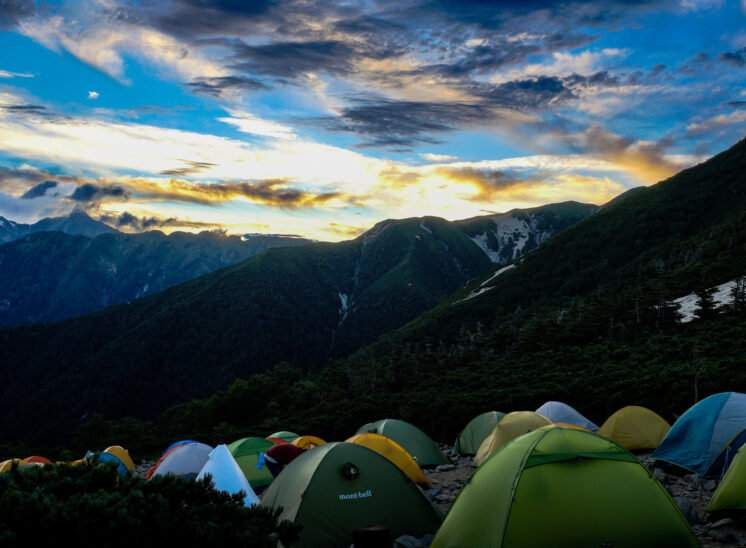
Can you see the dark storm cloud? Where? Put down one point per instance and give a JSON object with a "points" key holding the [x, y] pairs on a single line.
{"points": [[737, 58], [39, 190], [89, 192], [291, 59], [390, 123], [218, 85], [12, 11]]}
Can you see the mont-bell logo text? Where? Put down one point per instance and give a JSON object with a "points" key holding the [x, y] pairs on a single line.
{"points": [[358, 495]]}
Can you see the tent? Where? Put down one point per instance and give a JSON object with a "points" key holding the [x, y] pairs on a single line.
{"points": [[730, 493], [226, 475], [705, 438], [285, 436], [561, 412], [37, 459], [634, 428], [392, 451], [339, 487], [473, 434], [185, 460], [308, 442], [418, 444], [564, 488], [102, 457], [7, 465], [122, 454], [513, 425], [246, 452]]}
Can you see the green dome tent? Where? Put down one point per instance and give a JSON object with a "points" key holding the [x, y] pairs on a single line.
{"points": [[564, 488], [473, 434], [418, 444], [284, 435], [246, 453], [730, 494], [339, 487]]}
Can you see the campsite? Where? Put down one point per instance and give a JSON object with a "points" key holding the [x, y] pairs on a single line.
{"points": [[370, 490]]}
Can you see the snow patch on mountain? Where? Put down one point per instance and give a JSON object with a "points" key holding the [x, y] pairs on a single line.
{"points": [[474, 294], [343, 303], [497, 273], [688, 304], [481, 241]]}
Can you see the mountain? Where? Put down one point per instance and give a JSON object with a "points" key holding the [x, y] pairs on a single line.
{"points": [[589, 318], [77, 223], [48, 276], [304, 305]]}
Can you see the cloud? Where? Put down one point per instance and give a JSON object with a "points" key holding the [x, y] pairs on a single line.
{"points": [[191, 168], [127, 220], [736, 58], [489, 183], [39, 190], [93, 95], [718, 122], [89, 192], [248, 123], [219, 86], [273, 192], [8, 74], [13, 11], [438, 157]]}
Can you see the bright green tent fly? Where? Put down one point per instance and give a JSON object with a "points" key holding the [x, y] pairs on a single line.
{"points": [[418, 444], [339, 487], [730, 494], [564, 488], [246, 454], [472, 436]]}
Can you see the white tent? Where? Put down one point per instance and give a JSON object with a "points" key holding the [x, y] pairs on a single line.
{"points": [[227, 475], [561, 412], [184, 460]]}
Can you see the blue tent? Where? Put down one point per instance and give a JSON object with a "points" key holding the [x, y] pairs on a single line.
{"points": [[707, 436], [105, 458]]}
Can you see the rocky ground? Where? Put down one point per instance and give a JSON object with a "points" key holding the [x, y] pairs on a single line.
{"points": [[691, 492]]}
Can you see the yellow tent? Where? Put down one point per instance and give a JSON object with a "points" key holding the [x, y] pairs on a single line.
{"points": [[392, 451], [634, 427], [510, 427], [6, 465], [308, 442], [122, 454]]}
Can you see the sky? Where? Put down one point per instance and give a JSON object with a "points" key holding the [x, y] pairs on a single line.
{"points": [[322, 118]]}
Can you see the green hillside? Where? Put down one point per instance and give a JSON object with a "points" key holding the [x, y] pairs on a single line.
{"points": [[304, 305], [586, 318]]}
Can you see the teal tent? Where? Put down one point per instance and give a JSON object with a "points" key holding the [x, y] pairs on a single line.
{"points": [[339, 487], [418, 444], [473, 434], [706, 437], [563, 487]]}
